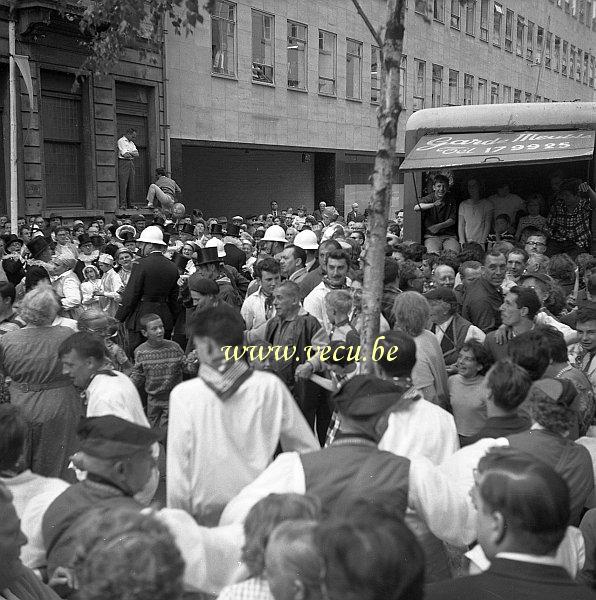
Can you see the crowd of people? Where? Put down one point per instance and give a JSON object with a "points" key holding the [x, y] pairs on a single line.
{"points": [[184, 407]]}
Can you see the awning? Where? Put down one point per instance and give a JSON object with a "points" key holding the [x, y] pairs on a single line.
{"points": [[460, 150]]}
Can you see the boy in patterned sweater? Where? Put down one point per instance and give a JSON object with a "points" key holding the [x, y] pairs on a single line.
{"points": [[159, 366]]}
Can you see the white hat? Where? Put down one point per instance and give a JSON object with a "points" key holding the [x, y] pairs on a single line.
{"points": [[307, 240], [152, 235], [216, 243], [275, 233], [106, 259]]}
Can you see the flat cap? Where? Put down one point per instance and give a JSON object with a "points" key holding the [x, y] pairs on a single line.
{"points": [[366, 396], [196, 283], [112, 437], [441, 293]]}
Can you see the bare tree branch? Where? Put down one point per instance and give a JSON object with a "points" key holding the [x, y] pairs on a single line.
{"points": [[370, 26]]}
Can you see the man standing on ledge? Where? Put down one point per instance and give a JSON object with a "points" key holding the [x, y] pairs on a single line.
{"points": [[127, 152]]}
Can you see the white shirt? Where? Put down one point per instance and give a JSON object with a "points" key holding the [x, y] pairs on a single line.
{"points": [[116, 396], [124, 146], [423, 429], [32, 494], [216, 447], [474, 333], [253, 310], [475, 219]]}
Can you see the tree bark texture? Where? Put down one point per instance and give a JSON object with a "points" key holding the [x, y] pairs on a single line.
{"points": [[392, 33]]}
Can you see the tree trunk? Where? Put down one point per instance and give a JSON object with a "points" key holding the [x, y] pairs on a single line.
{"points": [[385, 161]]}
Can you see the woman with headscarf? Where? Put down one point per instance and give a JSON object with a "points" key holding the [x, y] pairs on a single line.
{"points": [[48, 401]]}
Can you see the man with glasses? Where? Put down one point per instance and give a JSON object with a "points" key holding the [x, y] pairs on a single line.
{"points": [[536, 243]]}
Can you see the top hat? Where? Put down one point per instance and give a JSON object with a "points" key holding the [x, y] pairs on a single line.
{"points": [[11, 238], [187, 228], [206, 256], [159, 220], [84, 239], [216, 229], [37, 245], [233, 230]]}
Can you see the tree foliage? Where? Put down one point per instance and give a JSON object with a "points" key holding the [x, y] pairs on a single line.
{"points": [[111, 26]]}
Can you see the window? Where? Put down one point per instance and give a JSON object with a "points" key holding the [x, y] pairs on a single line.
{"points": [[403, 80], [519, 43], [494, 92], [589, 9], [509, 31], [223, 38], [530, 42], [517, 96], [437, 86], [539, 44], [506, 94], [468, 89], [375, 74], [439, 10], [582, 11], [548, 40], [586, 68], [420, 6], [455, 13], [528, 97], [574, 8], [571, 61], [578, 65], [481, 91], [353, 69], [263, 34], [592, 71], [420, 84], [62, 117], [564, 59], [567, 6], [557, 54], [327, 62], [453, 87], [297, 54], [497, 23], [470, 17], [484, 20]]}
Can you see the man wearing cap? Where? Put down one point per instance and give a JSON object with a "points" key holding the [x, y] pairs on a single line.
{"points": [[451, 329], [152, 288], [41, 253], [117, 456], [307, 240], [139, 222], [315, 275], [353, 214]]}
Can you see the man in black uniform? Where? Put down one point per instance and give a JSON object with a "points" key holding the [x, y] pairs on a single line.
{"points": [[152, 288]]}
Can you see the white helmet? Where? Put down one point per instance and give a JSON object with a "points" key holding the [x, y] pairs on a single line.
{"points": [[216, 243], [307, 240], [152, 235], [275, 233]]}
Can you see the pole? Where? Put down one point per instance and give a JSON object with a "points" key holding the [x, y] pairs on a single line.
{"points": [[14, 182]]}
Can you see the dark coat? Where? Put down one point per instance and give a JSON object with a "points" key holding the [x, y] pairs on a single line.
{"points": [[481, 305], [512, 580], [234, 257], [152, 288]]}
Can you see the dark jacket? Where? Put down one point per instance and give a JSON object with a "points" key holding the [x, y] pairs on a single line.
{"points": [[512, 580], [152, 288], [496, 427], [481, 305], [234, 256]]}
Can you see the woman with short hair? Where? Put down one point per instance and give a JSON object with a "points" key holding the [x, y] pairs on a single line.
{"points": [[49, 403]]}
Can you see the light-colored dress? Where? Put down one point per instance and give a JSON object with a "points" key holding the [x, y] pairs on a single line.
{"points": [[50, 404]]}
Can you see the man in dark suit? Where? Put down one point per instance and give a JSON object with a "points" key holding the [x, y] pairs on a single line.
{"points": [[522, 515], [353, 214], [152, 288]]}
